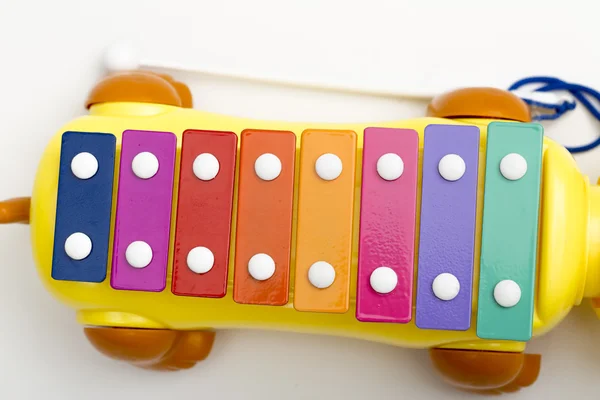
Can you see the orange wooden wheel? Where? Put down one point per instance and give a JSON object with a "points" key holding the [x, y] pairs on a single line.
{"points": [[157, 349], [479, 103], [140, 86], [486, 372]]}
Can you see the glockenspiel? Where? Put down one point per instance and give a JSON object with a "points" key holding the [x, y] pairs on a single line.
{"points": [[466, 232]]}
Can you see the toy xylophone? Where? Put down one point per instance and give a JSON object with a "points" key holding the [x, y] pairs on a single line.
{"points": [[446, 232]]}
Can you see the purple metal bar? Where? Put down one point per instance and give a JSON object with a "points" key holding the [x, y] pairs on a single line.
{"points": [[447, 233], [144, 211]]}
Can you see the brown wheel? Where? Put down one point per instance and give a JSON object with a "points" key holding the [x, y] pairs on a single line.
{"points": [[486, 372], [479, 103], [156, 349], [182, 90], [142, 87]]}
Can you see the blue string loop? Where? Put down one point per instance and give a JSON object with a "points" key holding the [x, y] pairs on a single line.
{"points": [[579, 92]]}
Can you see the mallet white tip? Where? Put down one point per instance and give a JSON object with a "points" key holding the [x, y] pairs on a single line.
{"points": [[122, 56]]}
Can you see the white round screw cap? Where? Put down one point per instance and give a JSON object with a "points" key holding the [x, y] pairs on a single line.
{"points": [[328, 166], [513, 166], [200, 260], [267, 166], [452, 167], [507, 293], [321, 274], [206, 167], [138, 254], [390, 166], [383, 280], [145, 165], [84, 165], [445, 286], [261, 266], [78, 246]]}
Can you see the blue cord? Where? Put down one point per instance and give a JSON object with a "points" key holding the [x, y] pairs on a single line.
{"points": [[577, 91]]}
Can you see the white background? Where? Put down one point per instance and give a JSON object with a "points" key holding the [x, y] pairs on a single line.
{"points": [[50, 56]]}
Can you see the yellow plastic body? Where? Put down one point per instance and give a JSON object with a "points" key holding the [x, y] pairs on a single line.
{"points": [[568, 269]]}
